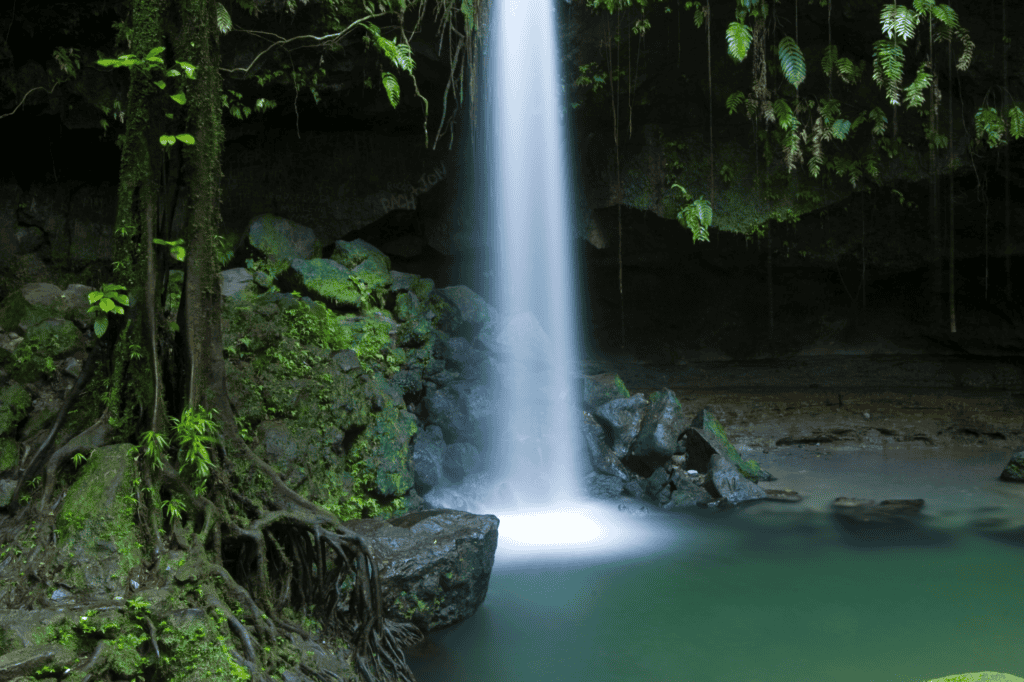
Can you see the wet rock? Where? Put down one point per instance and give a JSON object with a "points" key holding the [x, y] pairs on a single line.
{"points": [[603, 486], [1014, 470], [434, 565], [662, 425], [461, 409], [624, 417], [688, 494], [599, 389], [601, 456], [428, 455], [462, 311], [7, 488], [279, 238], [783, 495], [461, 459], [871, 511], [705, 434], [521, 339], [730, 483], [26, 661], [234, 282]]}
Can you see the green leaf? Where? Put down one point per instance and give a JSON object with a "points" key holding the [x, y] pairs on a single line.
{"points": [[99, 327], [189, 69], [166, 140], [223, 19], [160, 84], [155, 52], [916, 90], [734, 101], [108, 62], [898, 21], [186, 138], [172, 72], [792, 61], [391, 87], [1016, 116], [738, 36], [106, 305], [783, 114], [840, 129], [179, 98]]}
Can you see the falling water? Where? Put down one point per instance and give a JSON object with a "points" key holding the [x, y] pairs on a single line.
{"points": [[536, 435]]}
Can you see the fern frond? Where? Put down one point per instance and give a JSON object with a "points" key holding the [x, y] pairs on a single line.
{"points": [[829, 109], [968, 53], [923, 7], [793, 153], [848, 71], [738, 36], [783, 114], [915, 91], [946, 15], [988, 126], [223, 19], [391, 87], [1016, 116], [880, 121], [841, 128], [888, 72], [898, 21], [829, 59], [733, 101], [792, 61]]}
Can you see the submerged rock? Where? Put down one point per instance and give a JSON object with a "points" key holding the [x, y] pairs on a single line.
{"points": [[434, 565], [869, 510], [1014, 470]]}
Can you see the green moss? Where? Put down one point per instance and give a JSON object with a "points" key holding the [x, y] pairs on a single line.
{"points": [[197, 651], [14, 404], [100, 506]]}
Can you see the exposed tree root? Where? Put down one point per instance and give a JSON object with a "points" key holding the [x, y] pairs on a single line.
{"points": [[292, 555]]}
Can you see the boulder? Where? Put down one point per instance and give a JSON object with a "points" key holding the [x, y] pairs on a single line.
{"points": [[688, 494], [871, 511], [279, 238], [730, 483], [624, 417], [428, 457], [603, 486], [434, 565], [599, 389], [709, 433], [661, 427], [462, 311], [602, 457], [463, 410], [1014, 470]]}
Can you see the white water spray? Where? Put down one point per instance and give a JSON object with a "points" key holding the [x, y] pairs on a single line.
{"points": [[536, 435]]}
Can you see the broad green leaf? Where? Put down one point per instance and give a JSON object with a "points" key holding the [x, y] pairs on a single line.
{"points": [[189, 69], [166, 140], [106, 305], [99, 327], [160, 84], [156, 51], [186, 138], [179, 98]]}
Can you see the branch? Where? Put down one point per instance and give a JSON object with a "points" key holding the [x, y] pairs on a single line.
{"points": [[38, 87], [284, 41]]}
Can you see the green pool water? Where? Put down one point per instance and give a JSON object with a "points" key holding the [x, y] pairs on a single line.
{"points": [[765, 593]]}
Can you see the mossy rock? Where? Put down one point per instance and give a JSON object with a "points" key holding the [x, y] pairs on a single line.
{"points": [[599, 389], [748, 467], [357, 252], [99, 545], [326, 280], [280, 238], [14, 404], [8, 455], [979, 677]]}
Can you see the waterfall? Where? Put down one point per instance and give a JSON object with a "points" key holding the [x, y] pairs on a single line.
{"points": [[536, 433]]}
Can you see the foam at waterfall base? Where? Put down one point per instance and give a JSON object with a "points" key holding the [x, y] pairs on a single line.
{"points": [[568, 530]]}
